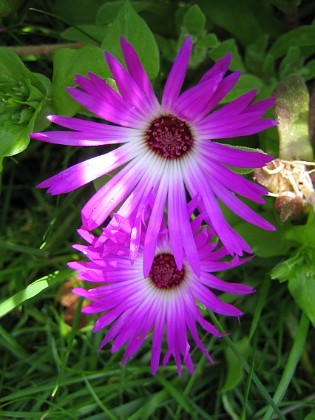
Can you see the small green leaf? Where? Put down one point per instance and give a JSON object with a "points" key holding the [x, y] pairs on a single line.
{"points": [[291, 62], [285, 269], [194, 19], [235, 371], [69, 62], [307, 72], [291, 112], [255, 54], [130, 25]]}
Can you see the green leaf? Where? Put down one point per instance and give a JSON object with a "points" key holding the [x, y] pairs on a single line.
{"points": [[235, 371], [307, 72], [285, 269], [291, 112], [265, 244], [291, 62], [255, 54], [23, 98], [130, 25], [300, 37], [303, 234], [32, 290], [67, 63], [299, 271], [194, 20], [302, 287], [108, 12], [11, 67]]}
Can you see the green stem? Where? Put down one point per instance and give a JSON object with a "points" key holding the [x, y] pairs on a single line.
{"points": [[294, 357]]}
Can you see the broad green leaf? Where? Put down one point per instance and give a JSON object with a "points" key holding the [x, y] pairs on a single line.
{"points": [[302, 288], [11, 67], [300, 37], [303, 234], [108, 12], [310, 416], [69, 62], [291, 112], [235, 371], [130, 25], [265, 244]]}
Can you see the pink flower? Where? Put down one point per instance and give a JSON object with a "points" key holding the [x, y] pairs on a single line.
{"points": [[164, 303], [165, 152]]}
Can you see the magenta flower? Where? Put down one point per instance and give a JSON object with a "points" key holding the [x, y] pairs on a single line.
{"points": [[164, 301], [166, 152]]}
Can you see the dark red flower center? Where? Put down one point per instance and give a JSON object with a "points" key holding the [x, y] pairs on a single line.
{"points": [[164, 273], [169, 137]]}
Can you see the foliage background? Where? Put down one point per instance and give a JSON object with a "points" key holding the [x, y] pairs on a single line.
{"points": [[49, 364]]}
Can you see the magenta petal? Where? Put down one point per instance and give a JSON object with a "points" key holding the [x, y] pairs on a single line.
{"points": [[241, 209], [154, 228], [85, 172], [221, 66], [137, 71], [128, 88], [236, 157], [106, 199], [117, 112], [177, 74]]}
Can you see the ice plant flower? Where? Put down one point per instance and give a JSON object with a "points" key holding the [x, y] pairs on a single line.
{"points": [[166, 152], [165, 301]]}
